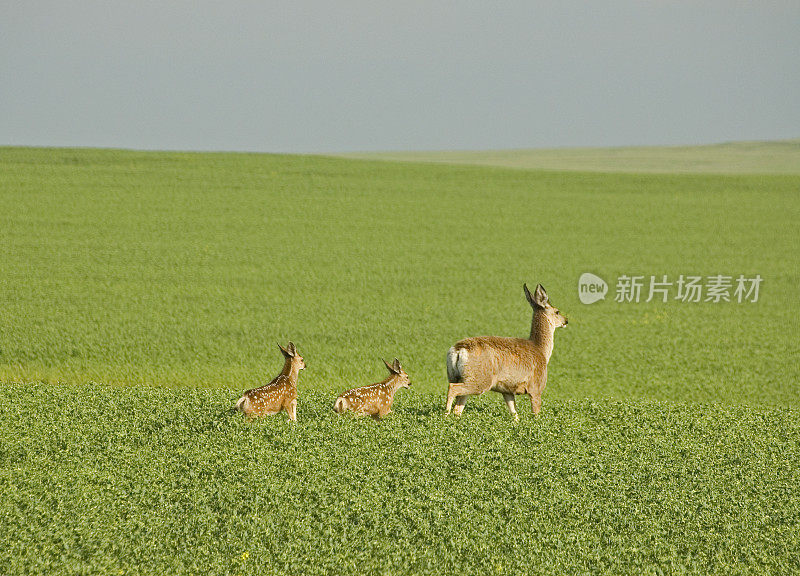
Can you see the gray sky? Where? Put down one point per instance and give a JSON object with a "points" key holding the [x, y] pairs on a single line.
{"points": [[313, 76]]}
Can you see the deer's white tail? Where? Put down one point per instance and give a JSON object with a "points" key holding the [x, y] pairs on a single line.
{"points": [[340, 405], [456, 360], [241, 405]]}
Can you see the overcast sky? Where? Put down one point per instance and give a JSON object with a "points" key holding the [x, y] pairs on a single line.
{"points": [[313, 76]]}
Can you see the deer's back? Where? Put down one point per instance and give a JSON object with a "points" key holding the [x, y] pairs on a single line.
{"points": [[271, 397], [368, 399]]}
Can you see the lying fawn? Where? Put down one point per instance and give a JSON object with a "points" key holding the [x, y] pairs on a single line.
{"points": [[280, 394], [375, 399], [507, 365]]}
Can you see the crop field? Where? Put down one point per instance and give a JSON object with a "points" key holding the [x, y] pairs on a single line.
{"points": [[142, 292]]}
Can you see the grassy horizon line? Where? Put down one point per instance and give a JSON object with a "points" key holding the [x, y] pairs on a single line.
{"points": [[737, 156]]}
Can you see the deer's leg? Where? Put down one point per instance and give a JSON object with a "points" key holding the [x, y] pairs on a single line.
{"points": [[460, 403], [535, 388], [455, 390], [536, 402], [512, 405], [460, 391], [292, 410]]}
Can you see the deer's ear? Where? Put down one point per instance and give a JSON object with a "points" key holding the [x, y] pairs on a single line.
{"points": [[528, 295], [540, 296], [396, 366], [292, 349], [390, 367], [284, 351]]}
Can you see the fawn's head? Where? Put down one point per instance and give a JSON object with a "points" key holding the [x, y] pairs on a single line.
{"points": [[541, 305], [290, 353], [397, 370]]}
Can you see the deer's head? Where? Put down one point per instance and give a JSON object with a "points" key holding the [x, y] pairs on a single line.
{"points": [[290, 353], [402, 381], [541, 305]]}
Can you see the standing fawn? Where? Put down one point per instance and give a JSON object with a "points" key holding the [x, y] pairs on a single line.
{"points": [[507, 365], [280, 394], [375, 399]]}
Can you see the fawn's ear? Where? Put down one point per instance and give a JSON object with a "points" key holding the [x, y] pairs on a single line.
{"points": [[285, 351], [391, 368], [397, 366], [292, 349]]}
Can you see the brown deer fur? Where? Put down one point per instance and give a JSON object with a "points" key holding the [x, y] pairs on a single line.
{"points": [[280, 394], [375, 399], [509, 366]]}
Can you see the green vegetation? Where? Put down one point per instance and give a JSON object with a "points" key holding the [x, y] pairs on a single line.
{"points": [[102, 480], [780, 157], [140, 293]]}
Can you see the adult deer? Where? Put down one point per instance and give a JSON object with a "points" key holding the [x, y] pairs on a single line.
{"points": [[509, 366]]}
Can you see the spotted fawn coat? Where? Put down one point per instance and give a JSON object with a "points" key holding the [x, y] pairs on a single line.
{"points": [[509, 366], [375, 399], [280, 394]]}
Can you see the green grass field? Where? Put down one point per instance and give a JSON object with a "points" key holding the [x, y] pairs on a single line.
{"points": [[141, 293]]}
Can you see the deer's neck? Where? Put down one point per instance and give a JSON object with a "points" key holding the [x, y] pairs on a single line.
{"points": [[391, 383], [290, 370], [542, 334]]}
